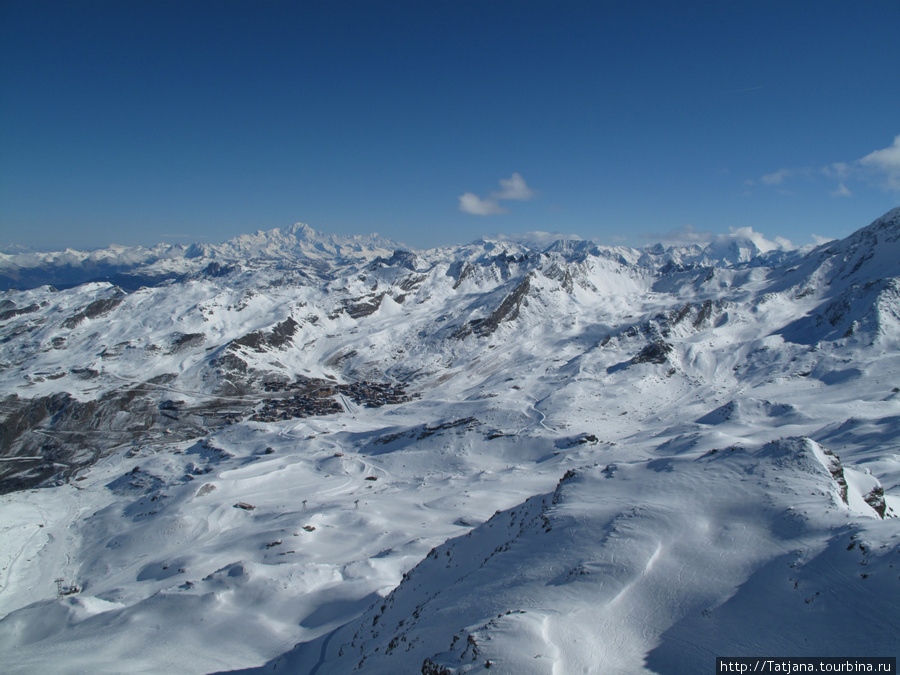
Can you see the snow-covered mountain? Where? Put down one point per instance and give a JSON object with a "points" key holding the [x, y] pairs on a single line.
{"points": [[133, 267], [329, 455]]}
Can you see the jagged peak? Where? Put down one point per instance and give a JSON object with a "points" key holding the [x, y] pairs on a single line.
{"points": [[872, 252], [579, 247], [297, 241], [537, 240], [302, 231], [889, 221]]}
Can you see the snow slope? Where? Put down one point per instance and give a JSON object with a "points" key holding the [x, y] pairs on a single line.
{"points": [[665, 562]]}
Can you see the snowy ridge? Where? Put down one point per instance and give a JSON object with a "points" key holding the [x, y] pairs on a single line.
{"points": [[617, 556], [369, 459], [297, 243]]}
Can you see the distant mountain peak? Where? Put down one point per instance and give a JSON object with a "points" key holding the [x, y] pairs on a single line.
{"points": [[297, 242], [302, 231], [300, 242]]}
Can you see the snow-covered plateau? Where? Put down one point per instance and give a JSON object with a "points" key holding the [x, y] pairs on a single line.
{"points": [[298, 453]]}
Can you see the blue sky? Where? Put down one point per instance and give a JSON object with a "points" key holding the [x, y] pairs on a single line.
{"points": [[437, 122]]}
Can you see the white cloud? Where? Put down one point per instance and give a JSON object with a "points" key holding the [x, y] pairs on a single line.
{"points": [[839, 170], [841, 191], [778, 177], [758, 238], [888, 159], [688, 234], [881, 166], [472, 203], [887, 163], [513, 188]]}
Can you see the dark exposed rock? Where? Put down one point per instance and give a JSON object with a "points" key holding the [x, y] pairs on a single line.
{"points": [[461, 271], [184, 341], [276, 338], [217, 270], [96, 309], [405, 259], [875, 499], [361, 307], [412, 282], [429, 667], [563, 275], [17, 311], [429, 430], [21, 329], [656, 352], [281, 334], [836, 469], [507, 311], [580, 439]]}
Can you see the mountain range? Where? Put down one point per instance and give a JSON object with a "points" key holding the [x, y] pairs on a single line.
{"points": [[321, 454]]}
